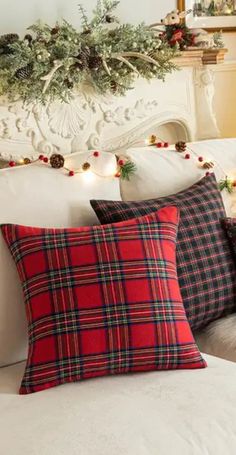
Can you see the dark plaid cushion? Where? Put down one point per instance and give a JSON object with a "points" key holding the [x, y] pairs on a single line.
{"points": [[102, 300], [229, 224], [207, 274]]}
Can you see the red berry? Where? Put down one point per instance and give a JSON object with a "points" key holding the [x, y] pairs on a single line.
{"points": [[12, 163], [96, 154], [200, 159], [187, 156], [45, 159], [71, 173], [234, 183], [159, 145], [41, 157], [121, 163], [117, 175], [166, 144]]}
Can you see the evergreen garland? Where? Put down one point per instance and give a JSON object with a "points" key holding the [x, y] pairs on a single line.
{"points": [[53, 62]]}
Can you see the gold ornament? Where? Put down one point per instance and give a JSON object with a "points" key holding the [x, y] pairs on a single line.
{"points": [[208, 165], [86, 166], [26, 161], [152, 139]]}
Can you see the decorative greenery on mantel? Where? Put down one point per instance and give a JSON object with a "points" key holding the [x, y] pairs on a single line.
{"points": [[51, 63]]}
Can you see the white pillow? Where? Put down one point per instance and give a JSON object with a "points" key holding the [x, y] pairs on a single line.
{"points": [[38, 195], [161, 172]]}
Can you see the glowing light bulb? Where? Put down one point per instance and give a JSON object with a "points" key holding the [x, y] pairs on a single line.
{"points": [[88, 176]]}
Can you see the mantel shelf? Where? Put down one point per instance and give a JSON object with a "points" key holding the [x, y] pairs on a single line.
{"points": [[198, 57]]}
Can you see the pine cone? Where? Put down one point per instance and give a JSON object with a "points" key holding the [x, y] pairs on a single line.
{"points": [[86, 32], [28, 38], [180, 146], [25, 72], [109, 19], [68, 83], [83, 58], [85, 52], [57, 161], [6, 40], [114, 86], [94, 63], [55, 30]]}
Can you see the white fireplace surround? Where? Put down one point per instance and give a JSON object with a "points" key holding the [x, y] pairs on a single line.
{"points": [[179, 109]]}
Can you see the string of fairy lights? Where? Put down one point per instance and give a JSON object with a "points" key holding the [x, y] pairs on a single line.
{"points": [[125, 167]]}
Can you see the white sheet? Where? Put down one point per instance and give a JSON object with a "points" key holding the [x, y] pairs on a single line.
{"points": [[160, 413]]}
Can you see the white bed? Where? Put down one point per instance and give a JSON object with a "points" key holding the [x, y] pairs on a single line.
{"points": [[160, 413]]}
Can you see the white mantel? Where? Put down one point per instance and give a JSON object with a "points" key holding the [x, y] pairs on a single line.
{"points": [[181, 108]]}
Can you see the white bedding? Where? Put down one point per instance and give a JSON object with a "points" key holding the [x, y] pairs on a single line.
{"points": [[160, 413]]}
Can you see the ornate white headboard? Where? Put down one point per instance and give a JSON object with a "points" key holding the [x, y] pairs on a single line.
{"points": [[178, 109]]}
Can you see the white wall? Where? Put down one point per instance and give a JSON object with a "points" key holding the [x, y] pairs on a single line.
{"points": [[17, 15]]}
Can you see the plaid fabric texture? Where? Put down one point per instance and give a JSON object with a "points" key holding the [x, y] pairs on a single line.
{"points": [[207, 274], [229, 224], [102, 300]]}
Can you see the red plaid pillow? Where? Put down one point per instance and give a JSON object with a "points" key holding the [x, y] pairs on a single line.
{"points": [[102, 300]]}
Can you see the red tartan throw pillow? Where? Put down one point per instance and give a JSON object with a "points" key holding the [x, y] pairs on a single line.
{"points": [[206, 270], [102, 300]]}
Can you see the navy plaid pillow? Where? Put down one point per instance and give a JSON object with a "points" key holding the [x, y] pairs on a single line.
{"points": [[206, 271]]}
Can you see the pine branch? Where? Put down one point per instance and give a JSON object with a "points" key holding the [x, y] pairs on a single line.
{"points": [[226, 184], [84, 17], [104, 10], [127, 170]]}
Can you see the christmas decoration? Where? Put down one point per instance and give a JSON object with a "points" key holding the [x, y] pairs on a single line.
{"points": [[51, 62], [153, 139], [208, 165], [179, 35], [180, 146], [228, 184], [125, 167], [57, 161], [86, 166], [6, 41]]}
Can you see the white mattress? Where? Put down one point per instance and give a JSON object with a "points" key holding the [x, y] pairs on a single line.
{"points": [[160, 413]]}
